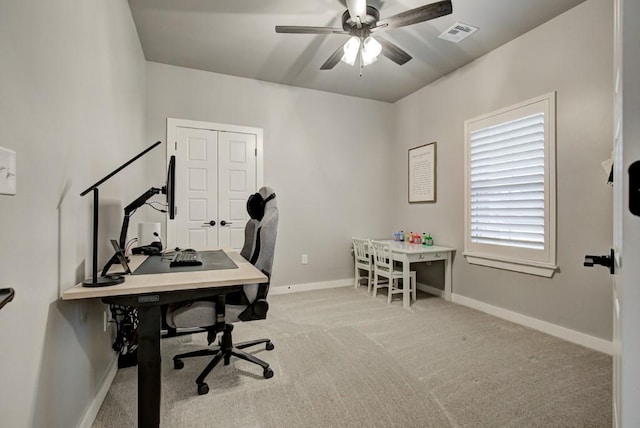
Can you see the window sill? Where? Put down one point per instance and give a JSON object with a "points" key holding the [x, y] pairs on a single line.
{"points": [[525, 266]]}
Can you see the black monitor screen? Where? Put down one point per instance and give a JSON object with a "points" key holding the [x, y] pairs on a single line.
{"points": [[170, 188]]}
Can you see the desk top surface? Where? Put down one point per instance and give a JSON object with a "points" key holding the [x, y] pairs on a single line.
{"points": [[174, 281], [405, 247]]}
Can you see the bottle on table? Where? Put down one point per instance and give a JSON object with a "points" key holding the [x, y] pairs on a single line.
{"points": [[428, 240]]}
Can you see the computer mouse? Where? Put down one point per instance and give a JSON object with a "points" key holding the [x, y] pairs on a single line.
{"points": [[188, 250]]}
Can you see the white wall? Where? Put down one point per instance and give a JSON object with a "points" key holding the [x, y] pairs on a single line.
{"points": [[326, 156], [572, 54], [72, 107]]}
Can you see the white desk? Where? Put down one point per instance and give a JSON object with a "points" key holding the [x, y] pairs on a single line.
{"points": [[406, 254], [148, 293]]}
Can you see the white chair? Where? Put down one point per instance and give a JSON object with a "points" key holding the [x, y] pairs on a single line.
{"points": [[384, 267], [362, 262]]}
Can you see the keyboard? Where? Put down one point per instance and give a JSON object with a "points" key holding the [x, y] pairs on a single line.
{"points": [[185, 258]]}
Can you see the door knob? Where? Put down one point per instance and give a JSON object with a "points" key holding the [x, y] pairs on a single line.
{"points": [[606, 260], [224, 223], [211, 223]]}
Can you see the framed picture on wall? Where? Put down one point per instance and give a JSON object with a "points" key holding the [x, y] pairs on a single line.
{"points": [[422, 173]]}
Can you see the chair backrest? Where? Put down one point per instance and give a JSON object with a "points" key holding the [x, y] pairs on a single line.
{"points": [[361, 250], [382, 256]]}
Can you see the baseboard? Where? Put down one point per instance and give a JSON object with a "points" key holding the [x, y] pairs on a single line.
{"points": [[431, 290], [569, 335], [96, 403], [294, 288]]}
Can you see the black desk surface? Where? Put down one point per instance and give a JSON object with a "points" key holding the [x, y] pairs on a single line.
{"points": [[211, 260]]}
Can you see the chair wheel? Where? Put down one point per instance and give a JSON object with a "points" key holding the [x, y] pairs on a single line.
{"points": [[178, 364], [268, 373], [270, 346], [203, 389]]}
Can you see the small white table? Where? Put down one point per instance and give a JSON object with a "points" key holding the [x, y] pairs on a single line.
{"points": [[406, 254]]}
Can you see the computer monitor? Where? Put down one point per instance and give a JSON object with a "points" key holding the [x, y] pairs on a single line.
{"points": [[170, 188]]}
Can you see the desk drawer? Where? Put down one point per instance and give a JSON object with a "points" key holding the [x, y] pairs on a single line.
{"points": [[425, 257]]}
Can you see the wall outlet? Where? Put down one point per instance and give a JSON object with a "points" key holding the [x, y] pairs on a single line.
{"points": [[7, 172], [305, 259]]}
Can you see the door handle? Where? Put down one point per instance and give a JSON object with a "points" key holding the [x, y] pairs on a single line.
{"points": [[224, 223], [211, 223], [606, 260]]}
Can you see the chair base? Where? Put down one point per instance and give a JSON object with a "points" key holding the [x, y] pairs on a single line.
{"points": [[224, 352]]}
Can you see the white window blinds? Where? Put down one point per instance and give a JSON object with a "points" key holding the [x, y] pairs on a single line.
{"points": [[507, 175]]}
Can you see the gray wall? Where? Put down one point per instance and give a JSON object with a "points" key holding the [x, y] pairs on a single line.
{"points": [[326, 155], [572, 55], [72, 107]]}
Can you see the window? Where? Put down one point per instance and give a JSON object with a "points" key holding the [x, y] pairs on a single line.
{"points": [[510, 188]]}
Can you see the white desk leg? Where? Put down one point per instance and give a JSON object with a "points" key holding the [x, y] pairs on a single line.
{"points": [[447, 278], [406, 294]]}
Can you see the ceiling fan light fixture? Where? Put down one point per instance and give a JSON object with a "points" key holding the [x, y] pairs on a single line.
{"points": [[371, 48], [351, 49]]}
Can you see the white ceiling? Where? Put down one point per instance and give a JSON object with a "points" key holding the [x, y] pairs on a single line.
{"points": [[237, 37]]}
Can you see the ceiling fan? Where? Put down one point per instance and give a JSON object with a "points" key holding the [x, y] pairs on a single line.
{"points": [[361, 21]]}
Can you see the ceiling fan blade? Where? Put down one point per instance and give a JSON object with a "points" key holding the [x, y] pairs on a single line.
{"points": [[333, 59], [393, 52], [419, 14], [357, 8], [308, 30]]}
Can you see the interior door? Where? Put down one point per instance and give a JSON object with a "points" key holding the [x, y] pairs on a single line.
{"points": [[626, 358], [237, 180], [197, 188], [618, 207], [216, 172]]}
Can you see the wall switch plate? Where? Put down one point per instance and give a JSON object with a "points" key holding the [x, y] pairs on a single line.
{"points": [[7, 172], [305, 259]]}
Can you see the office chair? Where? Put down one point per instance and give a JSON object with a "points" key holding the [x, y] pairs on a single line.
{"points": [[218, 314]]}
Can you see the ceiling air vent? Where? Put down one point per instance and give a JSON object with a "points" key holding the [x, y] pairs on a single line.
{"points": [[458, 32]]}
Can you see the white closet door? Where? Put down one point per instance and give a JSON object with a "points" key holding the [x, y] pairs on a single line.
{"points": [[197, 188], [237, 181]]}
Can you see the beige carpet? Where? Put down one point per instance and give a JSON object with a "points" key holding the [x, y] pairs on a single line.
{"points": [[344, 359]]}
